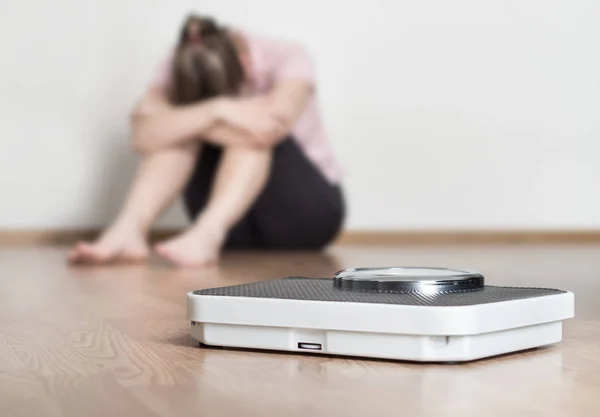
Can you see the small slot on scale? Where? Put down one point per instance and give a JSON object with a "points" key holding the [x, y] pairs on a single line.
{"points": [[310, 346]]}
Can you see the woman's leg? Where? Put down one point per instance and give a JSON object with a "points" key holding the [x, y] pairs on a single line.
{"points": [[158, 181], [277, 199], [299, 207], [241, 176]]}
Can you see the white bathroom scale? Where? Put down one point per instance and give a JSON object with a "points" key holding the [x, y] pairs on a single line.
{"points": [[399, 313]]}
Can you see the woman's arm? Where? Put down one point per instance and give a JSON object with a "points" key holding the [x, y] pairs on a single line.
{"points": [[261, 122], [152, 102], [223, 121], [166, 126], [287, 101]]}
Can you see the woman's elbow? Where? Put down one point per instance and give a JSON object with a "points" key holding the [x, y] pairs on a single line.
{"points": [[277, 136], [270, 141], [139, 142], [139, 148]]}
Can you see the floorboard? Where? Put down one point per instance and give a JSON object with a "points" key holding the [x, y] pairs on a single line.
{"points": [[114, 341]]}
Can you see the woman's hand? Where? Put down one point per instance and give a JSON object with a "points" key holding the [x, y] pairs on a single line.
{"points": [[255, 116]]}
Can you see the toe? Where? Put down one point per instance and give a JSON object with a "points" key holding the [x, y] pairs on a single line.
{"points": [[94, 253], [73, 256], [165, 251], [161, 249], [76, 254]]}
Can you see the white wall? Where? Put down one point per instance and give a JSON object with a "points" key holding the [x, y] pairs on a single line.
{"points": [[461, 114]]}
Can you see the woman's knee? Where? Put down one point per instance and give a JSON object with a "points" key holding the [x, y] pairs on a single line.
{"points": [[247, 157]]}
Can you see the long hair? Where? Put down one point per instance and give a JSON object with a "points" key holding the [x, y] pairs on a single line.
{"points": [[206, 62]]}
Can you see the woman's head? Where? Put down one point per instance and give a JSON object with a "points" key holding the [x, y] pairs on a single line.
{"points": [[206, 63]]}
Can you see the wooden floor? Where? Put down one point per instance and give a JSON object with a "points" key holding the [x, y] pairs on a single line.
{"points": [[115, 342]]}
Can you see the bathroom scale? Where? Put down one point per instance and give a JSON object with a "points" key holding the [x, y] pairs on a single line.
{"points": [[396, 313]]}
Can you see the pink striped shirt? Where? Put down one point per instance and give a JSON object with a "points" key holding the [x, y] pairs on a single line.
{"points": [[274, 60]]}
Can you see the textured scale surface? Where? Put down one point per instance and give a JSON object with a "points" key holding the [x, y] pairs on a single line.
{"points": [[321, 289]]}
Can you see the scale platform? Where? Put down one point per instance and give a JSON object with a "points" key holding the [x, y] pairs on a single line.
{"points": [[398, 313]]}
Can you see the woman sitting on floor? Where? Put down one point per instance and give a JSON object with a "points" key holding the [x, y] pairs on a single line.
{"points": [[231, 122]]}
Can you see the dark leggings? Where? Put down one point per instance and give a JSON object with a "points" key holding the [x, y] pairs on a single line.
{"points": [[297, 209]]}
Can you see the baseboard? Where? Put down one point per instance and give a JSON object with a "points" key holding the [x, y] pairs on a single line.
{"points": [[399, 237], [62, 237], [435, 237]]}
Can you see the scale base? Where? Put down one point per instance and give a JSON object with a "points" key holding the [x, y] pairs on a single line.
{"points": [[419, 348]]}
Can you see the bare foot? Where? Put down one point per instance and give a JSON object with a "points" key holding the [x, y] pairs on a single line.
{"points": [[117, 244], [200, 246]]}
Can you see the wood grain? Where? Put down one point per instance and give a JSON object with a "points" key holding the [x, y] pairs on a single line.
{"points": [[115, 341], [365, 237]]}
